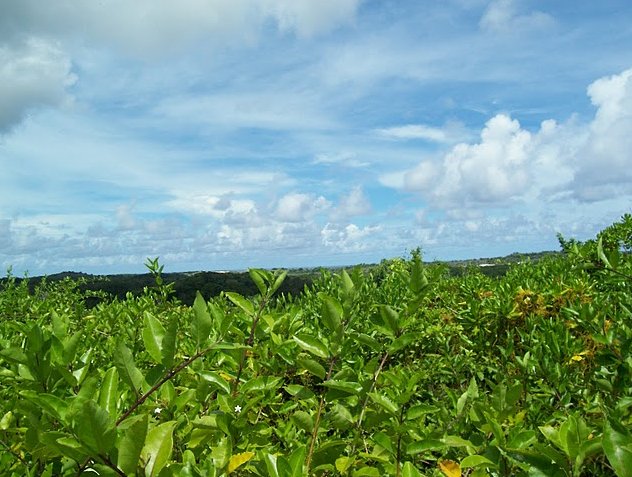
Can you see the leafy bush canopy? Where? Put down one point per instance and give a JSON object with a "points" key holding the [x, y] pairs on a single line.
{"points": [[400, 370]]}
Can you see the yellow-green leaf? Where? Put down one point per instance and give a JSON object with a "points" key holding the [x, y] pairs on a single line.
{"points": [[450, 468], [238, 460]]}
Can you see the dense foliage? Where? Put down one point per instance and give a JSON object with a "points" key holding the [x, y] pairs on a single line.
{"points": [[402, 370]]}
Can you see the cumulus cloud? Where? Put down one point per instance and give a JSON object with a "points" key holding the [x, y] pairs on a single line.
{"points": [[492, 170], [348, 238], [33, 74], [151, 27], [505, 16], [296, 207], [587, 161], [604, 160], [353, 204]]}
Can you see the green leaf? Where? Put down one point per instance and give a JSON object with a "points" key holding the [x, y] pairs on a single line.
{"points": [[602, 255], [312, 366], [384, 441], [403, 341], [278, 282], [241, 302], [477, 461], [169, 344], [348, 286], [303, 420], [108, 393], [127, 369], [299, 391], [217, 380], [460, 404], [261, 383], [260, 279], [131, 439], [271, 464], [419, 410], [64, 444], [297, 460], [538, 461], [158, 447], [345, 386], [425, 445], [344, 463], [6, 421], [552, 435], [418, 280], [572, 433], [71, 343], [385, 402], [390, 318], [367, 472], [53, 405], [14, 354], [332, 314], [617, 445], [202, 323], [93, 426], [312, 345], [368, 341], [409, 470], [153, 334]]}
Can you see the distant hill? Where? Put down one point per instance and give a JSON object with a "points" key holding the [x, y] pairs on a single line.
{"points": [[210, 284]]}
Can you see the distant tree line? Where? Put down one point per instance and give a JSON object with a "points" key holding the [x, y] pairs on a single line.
{"points": [[211, 284]]}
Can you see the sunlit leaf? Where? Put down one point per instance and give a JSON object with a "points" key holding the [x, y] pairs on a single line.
{"points": [[132, 435], [312, 345], [158, 447], [241, 302], [450, 468], [127, 369], [153, 334], [313, 367], [238, 460], [108, 393], [617, 445], [202, 323]]}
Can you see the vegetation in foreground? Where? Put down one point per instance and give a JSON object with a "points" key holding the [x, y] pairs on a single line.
{"points": [[402, 370]]}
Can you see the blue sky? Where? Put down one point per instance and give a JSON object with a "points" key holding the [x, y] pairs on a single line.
{"points": [[226, 134]]}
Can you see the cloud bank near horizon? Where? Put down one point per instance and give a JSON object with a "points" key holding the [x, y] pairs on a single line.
{"points": [[296, 133]]}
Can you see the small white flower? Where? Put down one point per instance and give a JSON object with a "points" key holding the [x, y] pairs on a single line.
{"points": [[157, 410], [238, 409]]}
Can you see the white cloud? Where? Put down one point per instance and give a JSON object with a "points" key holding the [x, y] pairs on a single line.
{"points": [[560, 161], [348, 238], [276, 110], [414, 131], [33, 74], [307, 18], [353, 204], [604, 162], [296, 207], [345, 159], [504, 16], [491, 171], [153, 27]]}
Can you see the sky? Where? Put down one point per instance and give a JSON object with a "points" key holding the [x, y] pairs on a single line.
{"points": [[227, 134]]}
